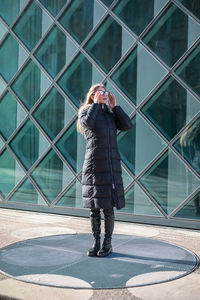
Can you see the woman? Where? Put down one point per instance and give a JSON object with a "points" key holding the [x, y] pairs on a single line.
{"points": [[102, 186]]}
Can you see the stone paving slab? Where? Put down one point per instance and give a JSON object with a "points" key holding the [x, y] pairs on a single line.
{"points": [[19, 226]]}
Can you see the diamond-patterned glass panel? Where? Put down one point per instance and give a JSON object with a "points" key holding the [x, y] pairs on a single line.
{"points": [[136, 156], [133, 14], [54, 113], [125, 105], [171, 108], [138, 203], [188, 145], [3, 30], [191, 210], [55, 51], [9, 9], [138, 74], [78, 78], [11, 51], [173, 33], [29, 144], [73, 197], [32, 25], [193, 6], [80, 17], [189, 70], [27, 193], [10, 107], [54, 6], [147, 54], [72, 147], [11, 173], [115, 39], [52, 175], [30, 84], [169, 181]]}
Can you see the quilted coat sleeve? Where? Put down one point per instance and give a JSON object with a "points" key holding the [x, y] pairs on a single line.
{"points": [[122, 119], [87, 117]]}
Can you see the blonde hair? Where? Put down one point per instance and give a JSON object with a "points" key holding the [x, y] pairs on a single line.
{"points": [[87, 103]]}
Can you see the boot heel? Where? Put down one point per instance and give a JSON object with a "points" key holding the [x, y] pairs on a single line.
{"points": [[94, 250]]}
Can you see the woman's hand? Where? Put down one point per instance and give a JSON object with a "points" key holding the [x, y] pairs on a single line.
{"points": [[112, 101], [98, 97]]}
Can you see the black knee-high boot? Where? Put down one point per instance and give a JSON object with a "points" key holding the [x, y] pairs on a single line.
{"points": [[109, 217], [95, 219]]}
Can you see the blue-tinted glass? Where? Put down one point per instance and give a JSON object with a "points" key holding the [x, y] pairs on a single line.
{"points": [[53, 6], [191, 210]]}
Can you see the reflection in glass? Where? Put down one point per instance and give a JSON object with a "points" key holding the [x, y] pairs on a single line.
{"points": [[111, 35], [138, 74], [11, 173], [9, 9], [189, 71], [54, 113], [32, 25], [52, 52], [172, 35], [189, 145], [78, 78], [169, 181], [138, 203], [10, 107], [139, 153], [73, 197], [26, 193], [13, 53], [52, 175], [30, 84], [54, 6], [193, 6], [72, 147], [125, 105], [171, 108], [29, 144], [190, 210], [134, 15], [3, 30], [78, 18]]}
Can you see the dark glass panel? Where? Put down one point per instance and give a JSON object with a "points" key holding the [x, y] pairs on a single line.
{"points": [[29, 144], [78, 18], [172, 35], [72, 146], [170, 108], [53, 6], [54, 113], [189, 145], [52, 176], [169, 181], [134, 15], [193, 6], [190, 210], [189, 70]]}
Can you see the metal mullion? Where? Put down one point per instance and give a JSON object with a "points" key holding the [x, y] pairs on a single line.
{"points": [[20, 13], [127, 170], [6, 33], [185, 202], [62, 158], [63, 192], [185, 10], [64, 130], [121, 92], [151, 163], [185, 55], [156, 204]]}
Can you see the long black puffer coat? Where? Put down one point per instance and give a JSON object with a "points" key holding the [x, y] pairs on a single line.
{"points": [[102, 185]]}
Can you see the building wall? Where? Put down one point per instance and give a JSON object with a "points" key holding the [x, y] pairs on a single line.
{"points": [[146, 52]]}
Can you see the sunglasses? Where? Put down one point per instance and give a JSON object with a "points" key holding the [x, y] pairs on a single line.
{"points": [[104, 93]]}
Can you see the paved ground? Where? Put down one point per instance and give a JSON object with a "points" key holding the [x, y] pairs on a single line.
{"points": [[18, 226]]}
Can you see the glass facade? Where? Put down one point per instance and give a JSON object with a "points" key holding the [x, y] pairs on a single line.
{"points": [[146, 52]]}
